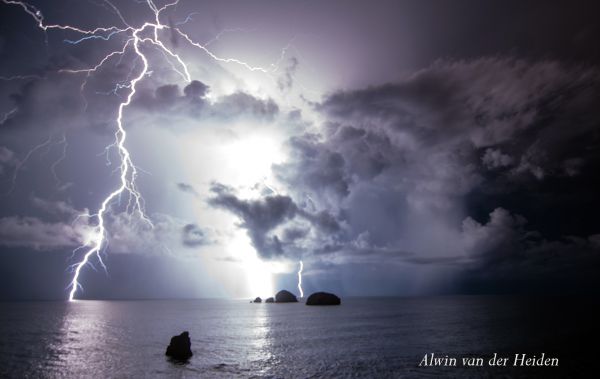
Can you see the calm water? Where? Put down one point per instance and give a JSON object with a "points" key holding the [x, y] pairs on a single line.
{"points": [[362, 338]]}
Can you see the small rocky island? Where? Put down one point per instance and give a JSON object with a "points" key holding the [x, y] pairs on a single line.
{"points": [[180, 347], [323, 298], [284, 296], [317, 298]]}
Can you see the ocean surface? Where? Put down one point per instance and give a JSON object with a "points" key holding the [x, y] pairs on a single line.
{"points": [[362, 338]]}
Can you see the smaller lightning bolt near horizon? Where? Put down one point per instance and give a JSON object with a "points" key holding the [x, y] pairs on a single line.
{"points": [[300, 279]]}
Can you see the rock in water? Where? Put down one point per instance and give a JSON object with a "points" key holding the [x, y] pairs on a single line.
{"points": [[270, 300], [180, 347], [323, 298], [284, 296], [257, 300]]}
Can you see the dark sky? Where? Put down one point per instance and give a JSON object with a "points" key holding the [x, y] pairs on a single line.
{"points": [[395, 147]]}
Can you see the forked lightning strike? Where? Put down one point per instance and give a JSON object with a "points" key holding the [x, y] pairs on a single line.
{"points": [[300, 279], [136, 38]]}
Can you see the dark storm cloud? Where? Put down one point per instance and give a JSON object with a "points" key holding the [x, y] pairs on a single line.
{"points": [[258, 217], [264, 214], [57, 226], [407, 164], [37, 234], [494, 158], [48, 104], [188, 188], [509, 256], [59, 97], [168, 97], [196, 89], [294, 233], [192, 102], [193, 236], [241, 103], [323, 220], [60, 102], [490, 116], [503, 234], [262, 217], [487, 102], [315, 165]]}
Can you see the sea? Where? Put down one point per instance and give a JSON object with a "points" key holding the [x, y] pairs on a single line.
{"points": [[362, 338]]}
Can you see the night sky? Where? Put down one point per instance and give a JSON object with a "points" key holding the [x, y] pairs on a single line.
{"points": [[395, 147]]}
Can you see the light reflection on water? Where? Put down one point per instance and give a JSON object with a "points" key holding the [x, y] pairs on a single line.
{"points": [[361, 338], [260, 339]]}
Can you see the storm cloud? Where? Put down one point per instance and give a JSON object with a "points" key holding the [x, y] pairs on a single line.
{"points": [[192, 102], [274, 223], [396, 147], [411, 165]]}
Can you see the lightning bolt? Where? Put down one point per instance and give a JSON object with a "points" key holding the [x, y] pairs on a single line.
{"points": [[300, 279], [136, 39], [62, 157], [7, 115], [18, 77], [127, 168], [21, 163], [224, 31]]}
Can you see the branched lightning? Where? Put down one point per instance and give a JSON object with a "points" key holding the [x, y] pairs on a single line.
{"points": [[128, 175], [62, 157], [8, 115], [187, 19], [225, 31], [21, 163], [300, 279], [18, 77], [39, 18], [135, 39]]}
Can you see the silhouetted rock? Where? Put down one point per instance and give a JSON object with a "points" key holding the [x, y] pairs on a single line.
{"points": [[323, 298], [284, 296], [257, 300], [180, 347], [270, 300]]}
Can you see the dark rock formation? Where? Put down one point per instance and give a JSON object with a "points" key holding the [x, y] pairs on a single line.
{"points": [[257, 300], [270, 300], [180, 347], [284, 296], [323, 298]]}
